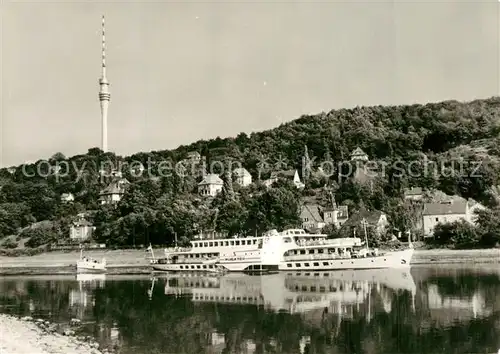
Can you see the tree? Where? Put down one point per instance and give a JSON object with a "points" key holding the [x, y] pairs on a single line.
{"points": [[460, 234]]}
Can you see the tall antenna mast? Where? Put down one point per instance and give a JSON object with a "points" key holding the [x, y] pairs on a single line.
{"points": [[104, 94]]}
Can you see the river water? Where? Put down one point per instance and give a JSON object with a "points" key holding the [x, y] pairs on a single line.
{"points": [[445, 309]]}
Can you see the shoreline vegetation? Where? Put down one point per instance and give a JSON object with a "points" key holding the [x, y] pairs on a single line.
{"points": [[28, 335], [135, 261], [360, 162]]}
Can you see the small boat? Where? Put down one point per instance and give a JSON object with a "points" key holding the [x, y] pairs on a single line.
{"points": [[89, 265]]}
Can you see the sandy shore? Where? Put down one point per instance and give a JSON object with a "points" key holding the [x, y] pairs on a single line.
{"points": [[23, 336], [135, 262]]}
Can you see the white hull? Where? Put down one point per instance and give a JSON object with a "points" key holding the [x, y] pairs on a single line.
{"points": [[90, 276], [247, 265], [187, 267], [90, 267], [395, 260]]}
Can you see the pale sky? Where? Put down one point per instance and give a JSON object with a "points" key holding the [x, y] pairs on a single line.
{"points": [[180, 72]]}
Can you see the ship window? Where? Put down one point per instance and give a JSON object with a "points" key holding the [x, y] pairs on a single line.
{"points": [[204, 267], [216, 244], [302, 251], [297, 264], [287, 240], [311, 251], [205, 244], [320, 250], [232, 243], [325, 263], [210, 244], [237, 243], [226, 243], [316, 264], [289, 265], [198, 267], [243, 242], [306, 264], [182, 267]]}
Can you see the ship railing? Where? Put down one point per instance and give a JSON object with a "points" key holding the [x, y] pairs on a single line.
{"points": [[330, 242], [313, 257], [177, 249]]}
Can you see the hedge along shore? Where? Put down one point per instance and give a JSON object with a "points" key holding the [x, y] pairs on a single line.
{"points": [[135, 262], [22, 336]]}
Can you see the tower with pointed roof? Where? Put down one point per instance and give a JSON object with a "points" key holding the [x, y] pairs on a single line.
{"points": [[104, 95]]}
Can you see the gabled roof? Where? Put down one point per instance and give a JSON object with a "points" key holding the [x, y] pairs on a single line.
{"points": [[193, 154], [115, 187], [413, 191], [241, 172], [211, 178], [445, 208], [284, 174], [371, 217], [82, 222], [358, 151], [311, 211]]}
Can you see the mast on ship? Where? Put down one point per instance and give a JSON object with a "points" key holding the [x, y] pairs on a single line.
{"points": [[364, 223]]}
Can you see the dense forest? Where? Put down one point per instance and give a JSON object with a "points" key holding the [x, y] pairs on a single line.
{"points": [[461, 139]]}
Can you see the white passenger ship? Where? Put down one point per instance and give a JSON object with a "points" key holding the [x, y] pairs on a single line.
{"points": [[303, 251], [240, 254], [292, 249]]}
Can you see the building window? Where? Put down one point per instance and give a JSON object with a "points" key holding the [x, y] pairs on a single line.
{"points": [[437, 219]]}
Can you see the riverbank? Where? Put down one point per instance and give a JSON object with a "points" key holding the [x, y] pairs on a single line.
{"points": [[135, 262], [22, 336]]}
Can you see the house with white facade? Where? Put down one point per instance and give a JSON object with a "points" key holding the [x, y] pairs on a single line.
{"points": [[114, 192], [67, 197], [448, 211], [336, 216], [292, 175], [414, 193], [242, 177], [210, 186], [81, 230]]}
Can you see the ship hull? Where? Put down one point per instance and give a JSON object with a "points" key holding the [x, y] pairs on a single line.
{"points": [[396, 259], [186, 267], [90, 270]]}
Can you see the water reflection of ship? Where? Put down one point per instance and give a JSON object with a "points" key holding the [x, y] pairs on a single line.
{"points": [[446, 309], [338, 292], [83, 296]]}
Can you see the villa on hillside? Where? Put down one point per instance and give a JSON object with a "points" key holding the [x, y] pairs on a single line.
{"points": [[194, 156], [67, 197], [114, 192], [210, 186], [291, 175], [414, 193], [336, 216], [358, 155], [81, 230], [315, 217], [375, 220], [448, 211], [310, 214], [242, 177]]}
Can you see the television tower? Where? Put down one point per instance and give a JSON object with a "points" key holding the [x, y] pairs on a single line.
{"points": [[104, 94]]}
